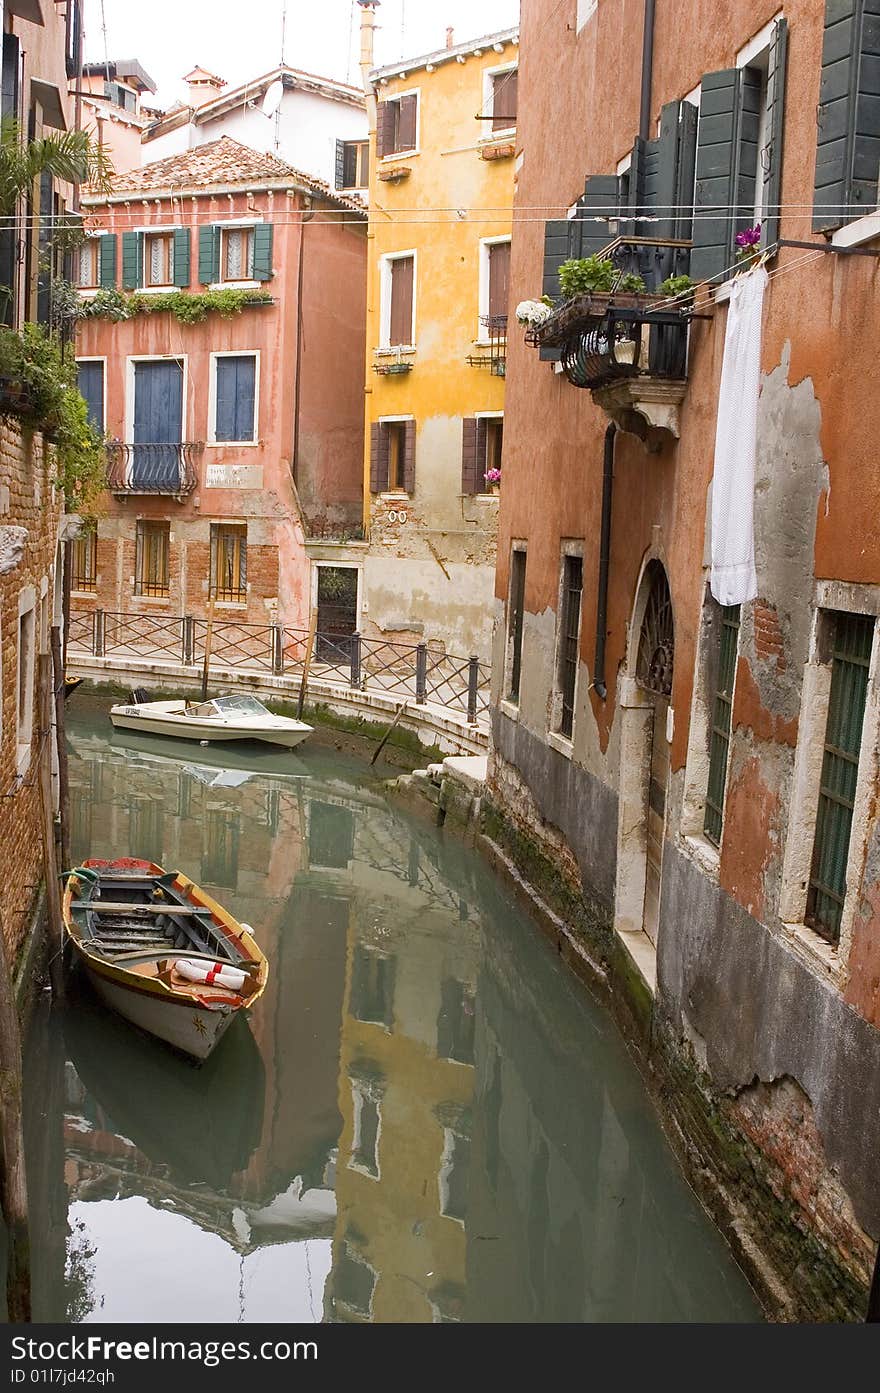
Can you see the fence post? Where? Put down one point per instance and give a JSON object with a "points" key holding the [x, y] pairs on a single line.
{"points": [[278, 650], [473, 684], [98, 634], [355, 678], [421, 672], [188, 641]]}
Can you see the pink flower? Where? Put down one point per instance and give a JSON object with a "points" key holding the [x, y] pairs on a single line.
{"points": [[750, 237], [492, 476]]}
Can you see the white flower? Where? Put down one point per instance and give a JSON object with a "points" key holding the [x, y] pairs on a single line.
{"points": [[532, 312]]}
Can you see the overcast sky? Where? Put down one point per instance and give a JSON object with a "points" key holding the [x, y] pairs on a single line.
{"points": [[240, 41]]}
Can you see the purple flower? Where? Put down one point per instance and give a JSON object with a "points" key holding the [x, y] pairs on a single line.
{"points": [[750, 237], [492, 476]]}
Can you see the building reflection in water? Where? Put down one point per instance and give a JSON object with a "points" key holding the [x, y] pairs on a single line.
{"points": [[423, 1121]]}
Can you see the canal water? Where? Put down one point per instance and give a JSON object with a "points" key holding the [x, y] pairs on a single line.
{"points": [[425, 1119]]}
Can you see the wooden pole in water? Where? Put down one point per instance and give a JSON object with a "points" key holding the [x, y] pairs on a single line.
{"points": [[381, 745], [310, 648], [13, 1182], [50, 865], [209, 630], [61, 746]]}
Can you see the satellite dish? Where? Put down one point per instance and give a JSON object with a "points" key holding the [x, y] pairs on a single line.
{"points": [[272, 99]]}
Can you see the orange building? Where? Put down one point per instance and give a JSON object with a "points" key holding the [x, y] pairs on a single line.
{"points": [[209, 353]]}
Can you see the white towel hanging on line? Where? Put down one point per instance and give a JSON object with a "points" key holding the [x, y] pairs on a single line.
{"points": [[733, 580]]}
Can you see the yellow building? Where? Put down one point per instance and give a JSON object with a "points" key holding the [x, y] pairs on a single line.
{"points": [[443, 148]]}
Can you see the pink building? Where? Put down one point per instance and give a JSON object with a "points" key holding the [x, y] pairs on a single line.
{"points": [[230, 436], [112, 95]]}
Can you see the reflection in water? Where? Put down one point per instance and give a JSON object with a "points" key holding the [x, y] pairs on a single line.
{"points": [[423, 1120]]}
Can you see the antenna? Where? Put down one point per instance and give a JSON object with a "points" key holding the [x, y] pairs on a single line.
{"points": [[283, 30]]}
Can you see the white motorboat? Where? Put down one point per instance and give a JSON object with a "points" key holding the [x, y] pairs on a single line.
{"points": [[233, 717]]}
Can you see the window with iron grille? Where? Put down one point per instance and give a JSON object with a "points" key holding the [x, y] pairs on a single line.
{"points": [[82, 562], [516, 605], [719, 733], [152, 558], [569, 635], [851, 639], [228, 564]]}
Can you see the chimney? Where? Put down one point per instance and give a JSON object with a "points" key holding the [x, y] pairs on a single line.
{"points": [[202, 86], [368, 27], [450, 37]]}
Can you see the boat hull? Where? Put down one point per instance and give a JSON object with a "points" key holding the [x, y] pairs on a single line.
{"points": [[189, 729], [187, 1026]]}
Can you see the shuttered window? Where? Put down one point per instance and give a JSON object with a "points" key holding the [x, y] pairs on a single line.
{"points": [[397, 125], [499, 282], [852, 637], [393, 456], [235, 389], [504, 99], [401, 330], [569, 640], [482, 442], [722, 705], [88, 264], [151, 558], [107, 261], [237, 254], [352, 164], [90, 381], [515, 613], [848, 140]]}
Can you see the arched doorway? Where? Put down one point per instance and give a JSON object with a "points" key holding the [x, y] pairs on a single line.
{"points": [[654, 664], [645, 692]]}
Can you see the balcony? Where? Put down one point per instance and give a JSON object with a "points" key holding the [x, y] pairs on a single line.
{"points": [[628, 349], [494, 341], [168, 469]]}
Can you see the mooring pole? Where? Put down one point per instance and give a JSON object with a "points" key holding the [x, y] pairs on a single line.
{"points": [[61, 745], [47, 822]]}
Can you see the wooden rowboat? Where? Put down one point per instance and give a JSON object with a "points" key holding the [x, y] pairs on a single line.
{"points": [[144, 937]]}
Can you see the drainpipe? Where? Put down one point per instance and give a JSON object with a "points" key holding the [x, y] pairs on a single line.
{"points": [[604, 558], [368, 26], [647, 70], [297, 382]]}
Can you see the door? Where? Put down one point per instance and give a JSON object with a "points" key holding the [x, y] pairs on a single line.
{"points": [[657, 786], [337, 612], [158, 421]]}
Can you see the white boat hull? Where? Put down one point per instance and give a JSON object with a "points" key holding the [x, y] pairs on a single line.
{"points": [[194, 1029], [151, 719]]}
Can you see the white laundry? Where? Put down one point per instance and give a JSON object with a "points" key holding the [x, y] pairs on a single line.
{"points": [[733, 579]]}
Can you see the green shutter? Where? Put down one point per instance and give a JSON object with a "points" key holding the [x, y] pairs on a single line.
{"points": [[209, 254], [107, 261], [557, 248], [728, 616], [727, 162], [180, 272], [132, 260], [775, 116], [848, 142], [599, 202], [263, 251]]}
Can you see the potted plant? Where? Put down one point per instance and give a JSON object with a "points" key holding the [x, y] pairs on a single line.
{"points": [[493, 480], [748, 244]]}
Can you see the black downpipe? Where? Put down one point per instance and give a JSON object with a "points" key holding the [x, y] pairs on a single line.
{"points": [[604, 559], [647, 71]]}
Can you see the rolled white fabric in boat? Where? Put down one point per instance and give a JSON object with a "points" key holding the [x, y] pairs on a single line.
{"points": [[213, 974]]}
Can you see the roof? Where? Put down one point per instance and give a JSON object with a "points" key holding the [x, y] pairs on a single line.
{"points": [[224, 162], [291, 78], [122, 70], [200, 74], [403, 66]]}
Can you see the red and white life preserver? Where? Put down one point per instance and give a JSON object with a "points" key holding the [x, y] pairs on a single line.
{"points": [[213, 974]]}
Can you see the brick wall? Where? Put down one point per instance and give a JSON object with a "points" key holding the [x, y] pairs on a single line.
{"points": [[27, 500]]}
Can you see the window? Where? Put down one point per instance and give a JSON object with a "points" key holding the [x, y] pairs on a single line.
{"points": [[90, 381], [482, 443], [82, 558], [453, 1177], [159, 259], [847, 148], [851, 640], [366, 1130], [352, 164], [145, 828], [27, 638], [331, 835], [228, 581], [494, 286], [569, 641], [504, 99], [120, 95], [372, 986], [397, 123], [237, 254], [515, 613], [719, 734], [392, 456], [220, 855], [235, 398], [398, 301], [87, 264], [455, 1022], [151, 560]]}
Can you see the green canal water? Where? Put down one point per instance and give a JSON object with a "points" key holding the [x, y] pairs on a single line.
{"points": [[425, 1119]]}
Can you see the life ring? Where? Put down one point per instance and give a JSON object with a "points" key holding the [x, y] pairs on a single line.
{"points": [[212, 974]]}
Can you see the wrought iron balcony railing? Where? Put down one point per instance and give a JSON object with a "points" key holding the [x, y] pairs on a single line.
{"points": [[605, 338], [166, 468]]}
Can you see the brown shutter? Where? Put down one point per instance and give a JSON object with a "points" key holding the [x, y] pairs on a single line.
{"points": [[409, 457], [482, 439], [504, 100], [469, 455], [499, 279], [406, 124], [384, 128], [378, 458], [401, 331]]}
